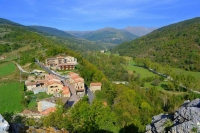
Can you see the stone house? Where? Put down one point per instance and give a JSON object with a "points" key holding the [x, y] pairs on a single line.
{"points": [[77, 82], [54, 86], [61, 63], [95, 86], [48, 111], [45, 104], [31, 85], [30, 114], [39, 89]]}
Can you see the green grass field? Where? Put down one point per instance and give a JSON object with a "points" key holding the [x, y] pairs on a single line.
{"points": [[7, 68], [139, 70], [195, 74], [11, 96]]}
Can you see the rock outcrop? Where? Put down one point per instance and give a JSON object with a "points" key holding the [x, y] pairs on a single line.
{"points": [[185, 120], [19, 128], [4, 126]]}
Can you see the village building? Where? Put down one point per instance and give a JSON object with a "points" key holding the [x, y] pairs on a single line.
{"points": [[61, 63], [77, 82], [31, 85], [2, 57], [48, 111], [47, 103], [39, 89], [54, 86], [95, 86], [30, 114]]}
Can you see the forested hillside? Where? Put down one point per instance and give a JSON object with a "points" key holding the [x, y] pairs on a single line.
{"points": [[52, 31], [177, 44], [71, 42]]}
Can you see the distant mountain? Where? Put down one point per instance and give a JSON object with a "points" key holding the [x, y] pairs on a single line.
{"points": [[138, 30], [106, 35], [79, 34], [73, 42], [58, 36], [176, 44], [52, 31]]}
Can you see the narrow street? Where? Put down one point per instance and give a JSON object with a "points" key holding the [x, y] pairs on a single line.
{"points": [[74, 98]]}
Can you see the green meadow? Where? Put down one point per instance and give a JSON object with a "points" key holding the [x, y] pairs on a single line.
{"points": [[139, 71], [195, 74], [10, 97], [7, 68]]}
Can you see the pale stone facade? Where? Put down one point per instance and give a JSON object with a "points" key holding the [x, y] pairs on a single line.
{"points": [[61, 63], [54, 87], [95, 86], [77, 82]]}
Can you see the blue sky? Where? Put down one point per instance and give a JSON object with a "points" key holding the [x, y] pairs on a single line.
{"points": [[96, 14]]}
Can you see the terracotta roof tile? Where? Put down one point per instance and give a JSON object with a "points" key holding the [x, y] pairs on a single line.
{"points": [[95, 84], [72, 73], [65, 90], [53, 82], [48, 111]]}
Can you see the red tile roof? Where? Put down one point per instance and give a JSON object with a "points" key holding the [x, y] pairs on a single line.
{"points": [[65, 90], [50, 82], [95, 84], [48, 111], [72, 73], [77, 78], [50, 76]]}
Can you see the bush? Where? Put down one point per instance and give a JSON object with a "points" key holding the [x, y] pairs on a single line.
{"points": [[155, 82]]}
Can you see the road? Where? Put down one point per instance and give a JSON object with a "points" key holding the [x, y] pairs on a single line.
{"points": [[89, 94], [74, 98], [20, 68]]}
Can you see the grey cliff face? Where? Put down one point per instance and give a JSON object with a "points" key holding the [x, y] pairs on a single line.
{"points": [[185, 120], [4, 126]]}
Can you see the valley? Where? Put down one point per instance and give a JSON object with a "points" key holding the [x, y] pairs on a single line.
{"points": [[83, 75]]}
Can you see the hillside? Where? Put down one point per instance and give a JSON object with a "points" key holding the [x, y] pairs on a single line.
{"points": [[116, 108], [106, 35], [139, 30], [52, 31], [77, 44], [177, 44]]}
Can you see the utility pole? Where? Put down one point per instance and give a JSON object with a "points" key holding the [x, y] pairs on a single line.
{"points": [[20, 75]]}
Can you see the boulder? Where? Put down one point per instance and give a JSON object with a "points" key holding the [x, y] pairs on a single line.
{"points": [[185, 120], [4, 126], [194, 103]]}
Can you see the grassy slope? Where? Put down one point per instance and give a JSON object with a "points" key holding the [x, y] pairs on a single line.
{"points": [[10, 89], [195, 74], [7, 68], [177, 44], [139, 70], [10, 101]]}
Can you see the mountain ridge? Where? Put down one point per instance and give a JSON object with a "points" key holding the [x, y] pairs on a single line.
{"points": [[176, 44], [106, 35]]}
